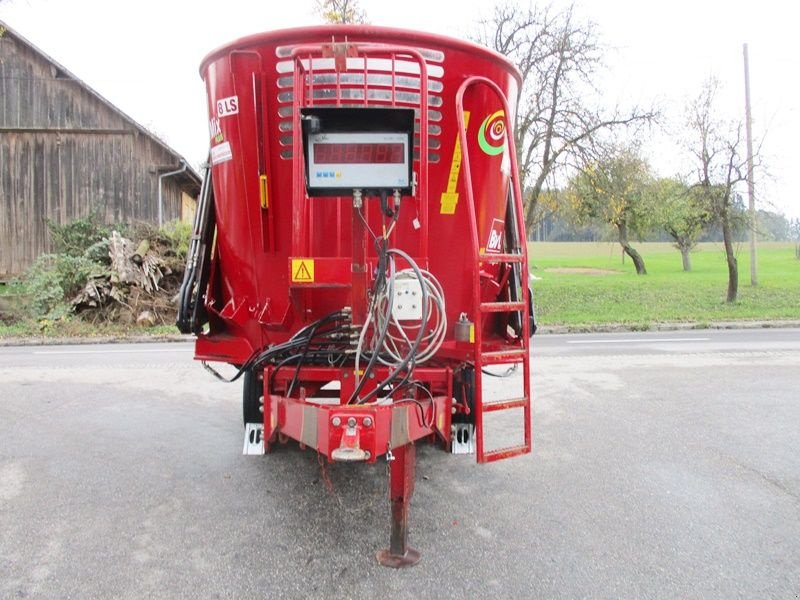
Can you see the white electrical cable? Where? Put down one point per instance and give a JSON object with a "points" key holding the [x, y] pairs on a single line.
{"points": [[436, 337], [397, 342], [399, 345]]}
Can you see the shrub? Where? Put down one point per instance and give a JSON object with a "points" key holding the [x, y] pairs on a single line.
{"points": [[178, 235], [76, 237], [53, 279]]}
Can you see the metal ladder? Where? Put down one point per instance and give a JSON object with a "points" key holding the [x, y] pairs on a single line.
{"points": [[516, 258]]}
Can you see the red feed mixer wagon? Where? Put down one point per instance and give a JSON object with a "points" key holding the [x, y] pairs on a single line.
{"points": [[359, 247]]}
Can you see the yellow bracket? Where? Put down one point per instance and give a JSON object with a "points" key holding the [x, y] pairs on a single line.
{"points": [[262, 180]]}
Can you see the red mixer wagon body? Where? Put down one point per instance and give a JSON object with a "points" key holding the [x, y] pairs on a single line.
{"points": [[359, 252]]}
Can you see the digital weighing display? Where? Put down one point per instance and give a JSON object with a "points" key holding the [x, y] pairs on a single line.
{"points": [[358, 160], [359, 153], [357, 148]]}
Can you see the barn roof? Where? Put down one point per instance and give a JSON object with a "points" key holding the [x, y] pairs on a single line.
{"points": [[190, 176]]}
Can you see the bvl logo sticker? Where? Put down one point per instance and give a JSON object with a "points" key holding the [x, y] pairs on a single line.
{"points": [[495, 243]]}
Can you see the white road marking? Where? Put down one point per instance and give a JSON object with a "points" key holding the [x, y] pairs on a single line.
{"points": [[639, 341], [143, 351]]}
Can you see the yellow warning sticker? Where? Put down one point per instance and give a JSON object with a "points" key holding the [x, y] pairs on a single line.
{"points": [[302, 270], [449, 199]]}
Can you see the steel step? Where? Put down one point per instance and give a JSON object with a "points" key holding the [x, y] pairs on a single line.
{"points": [[492, 307], [500, 258], [499, 357], [505, 404], [501, 453]]}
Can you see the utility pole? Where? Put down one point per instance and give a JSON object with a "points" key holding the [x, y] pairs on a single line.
{"points": [[750, 185]]}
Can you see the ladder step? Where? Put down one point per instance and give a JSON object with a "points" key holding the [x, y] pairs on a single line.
{"points": [[502, 453], [505, 404], [502, 306], [499, 357], [500, 258]]}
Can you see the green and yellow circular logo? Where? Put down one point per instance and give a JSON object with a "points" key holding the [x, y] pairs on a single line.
{"points": [[492, 134]]}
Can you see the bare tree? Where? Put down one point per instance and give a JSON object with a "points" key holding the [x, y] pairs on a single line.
{"points": [[558, 121], [717, 147], [341, 11]]}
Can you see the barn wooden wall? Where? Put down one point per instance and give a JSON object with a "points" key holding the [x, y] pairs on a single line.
{"points": [[63, 154]]}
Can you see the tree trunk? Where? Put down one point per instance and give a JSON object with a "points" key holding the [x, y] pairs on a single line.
{"points": [[687, 261], [531, 200], [733, 267], [638, 261]]}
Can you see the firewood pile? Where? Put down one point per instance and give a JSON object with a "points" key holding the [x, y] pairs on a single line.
{"points": [[139, 285]]}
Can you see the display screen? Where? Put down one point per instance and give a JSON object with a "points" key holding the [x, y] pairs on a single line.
{"points": [[359, 153]]}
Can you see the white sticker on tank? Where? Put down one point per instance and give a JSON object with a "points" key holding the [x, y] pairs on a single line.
{"points": [[495, 242], [221, 153], [215, 131], [228, 106]]}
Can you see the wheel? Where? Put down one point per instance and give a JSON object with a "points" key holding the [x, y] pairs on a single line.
{"points": [[252, 394]]}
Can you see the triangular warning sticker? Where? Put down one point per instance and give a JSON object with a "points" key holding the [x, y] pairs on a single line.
{"points": [[302, 273], [302, 270]]}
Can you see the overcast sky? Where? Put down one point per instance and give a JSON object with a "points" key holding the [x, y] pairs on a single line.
{"points": [[143, 56]]}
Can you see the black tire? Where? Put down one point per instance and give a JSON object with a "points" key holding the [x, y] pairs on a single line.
{"points": [[252, 390]]}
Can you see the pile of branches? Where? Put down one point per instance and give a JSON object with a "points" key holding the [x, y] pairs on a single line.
{"points": [[139, 283]]}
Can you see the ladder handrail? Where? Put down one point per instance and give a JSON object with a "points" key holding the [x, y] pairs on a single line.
{"points": [[517, 190]]}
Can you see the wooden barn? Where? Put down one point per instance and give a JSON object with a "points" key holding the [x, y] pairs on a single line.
{"points": [[66, 152]]}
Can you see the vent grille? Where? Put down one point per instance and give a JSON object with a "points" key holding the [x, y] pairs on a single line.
{"points": [[365, 82]]}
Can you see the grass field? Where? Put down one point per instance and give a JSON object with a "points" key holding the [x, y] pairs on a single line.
{"points": [[588, 284]]}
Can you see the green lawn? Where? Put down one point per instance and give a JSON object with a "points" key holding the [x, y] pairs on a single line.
{"points": [[609, 291]]}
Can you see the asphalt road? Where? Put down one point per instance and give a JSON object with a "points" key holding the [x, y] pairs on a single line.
{"points": [[666, 465]]}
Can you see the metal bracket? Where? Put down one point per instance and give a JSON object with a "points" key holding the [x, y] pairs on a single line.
{"points": [[463, 441], [253, 439]]}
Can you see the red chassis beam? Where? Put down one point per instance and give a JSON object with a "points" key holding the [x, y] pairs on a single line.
{"points": [[354, 432], [362, 432]]}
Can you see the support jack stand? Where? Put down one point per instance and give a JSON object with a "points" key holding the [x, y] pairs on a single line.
{"points": [[401, 487]]}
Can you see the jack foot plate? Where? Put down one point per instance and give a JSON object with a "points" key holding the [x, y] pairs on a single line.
{"points": [[387, 559]]}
